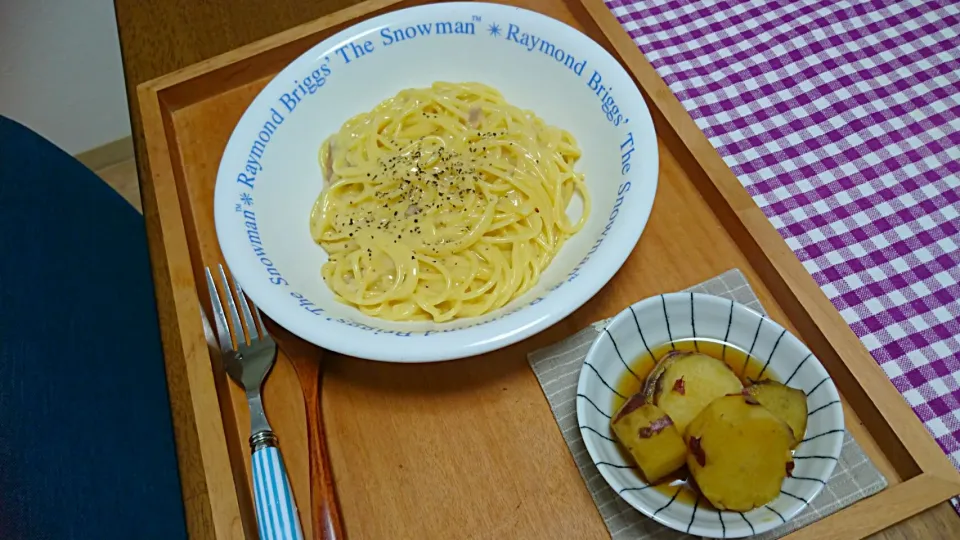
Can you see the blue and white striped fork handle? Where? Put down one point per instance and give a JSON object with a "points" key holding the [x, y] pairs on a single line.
{"points": [[277, 516]]}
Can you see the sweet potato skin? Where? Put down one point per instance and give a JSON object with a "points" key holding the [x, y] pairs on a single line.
{"points": [[650, 437], [738, 453], [787, 404], [650, 385], [687, 383]]}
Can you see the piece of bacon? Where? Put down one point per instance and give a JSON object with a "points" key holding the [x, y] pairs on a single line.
{"points": [[473, 119]]}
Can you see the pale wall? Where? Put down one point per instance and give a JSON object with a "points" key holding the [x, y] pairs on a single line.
{"points": [[60, 71]]}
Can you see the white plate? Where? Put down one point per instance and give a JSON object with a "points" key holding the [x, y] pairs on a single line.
{"points": [[661, 319], [264, 192]]}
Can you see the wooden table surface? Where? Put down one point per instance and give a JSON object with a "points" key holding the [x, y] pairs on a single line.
{"points": [[159, 37]]}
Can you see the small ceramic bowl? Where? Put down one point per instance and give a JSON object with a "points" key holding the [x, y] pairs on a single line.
{"points": [[636, 334]]}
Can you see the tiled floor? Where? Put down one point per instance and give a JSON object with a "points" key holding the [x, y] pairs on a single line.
{"points": [[123, 178]]}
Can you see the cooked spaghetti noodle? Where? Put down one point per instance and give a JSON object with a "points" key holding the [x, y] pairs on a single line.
{"points": [[443, 202]]}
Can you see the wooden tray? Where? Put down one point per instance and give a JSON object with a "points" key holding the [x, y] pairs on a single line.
{"points": [[469, 448]]}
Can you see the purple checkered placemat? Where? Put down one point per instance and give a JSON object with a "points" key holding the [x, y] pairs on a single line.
{"points": [[842, 120]]}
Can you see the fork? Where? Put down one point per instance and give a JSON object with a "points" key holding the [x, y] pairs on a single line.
{"points": [[248, 364]]}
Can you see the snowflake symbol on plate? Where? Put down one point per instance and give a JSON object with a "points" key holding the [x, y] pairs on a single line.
{"points": [[246, 199], [494, 30]]}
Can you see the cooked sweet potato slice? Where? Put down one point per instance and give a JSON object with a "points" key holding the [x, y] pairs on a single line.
{"points": [[687, 383], [788, 404], [650, 437], [739, 453], [650, 385]]}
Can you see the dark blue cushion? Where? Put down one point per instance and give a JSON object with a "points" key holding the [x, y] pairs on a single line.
{"points": [[86, 439]]}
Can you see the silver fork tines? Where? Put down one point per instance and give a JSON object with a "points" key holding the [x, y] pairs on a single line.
{"points": [[248, 352], [248, 363]]}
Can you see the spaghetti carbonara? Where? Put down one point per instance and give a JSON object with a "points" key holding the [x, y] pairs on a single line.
{"points": [[443, 202]]}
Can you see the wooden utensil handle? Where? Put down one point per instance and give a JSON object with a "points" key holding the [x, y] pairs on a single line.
{"points": [[327, 522]]}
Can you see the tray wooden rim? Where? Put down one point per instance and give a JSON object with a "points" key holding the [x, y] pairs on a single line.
{"points": [[213, 510]]}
